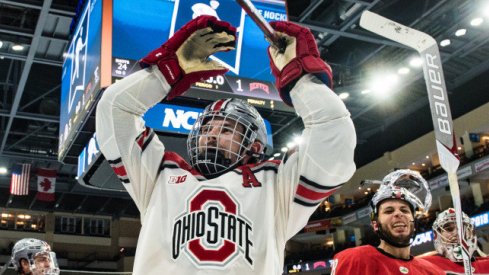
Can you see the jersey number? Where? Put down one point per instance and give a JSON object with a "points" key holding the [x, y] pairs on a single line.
{"points": [[249, 178]]}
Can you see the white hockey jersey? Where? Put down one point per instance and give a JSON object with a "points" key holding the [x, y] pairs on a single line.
{"points": [[237, 223]]}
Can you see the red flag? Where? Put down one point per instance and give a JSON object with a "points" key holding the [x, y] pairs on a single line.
{"points": [[46, 181], [19, 185]]}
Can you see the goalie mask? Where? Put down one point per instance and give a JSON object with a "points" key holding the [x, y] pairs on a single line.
{"points": [[446, 238], [406, 185], [223, 119], [42, 261], [413, 182]]}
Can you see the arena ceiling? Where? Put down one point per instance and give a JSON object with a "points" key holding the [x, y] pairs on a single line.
{"points": [[30, 83]]}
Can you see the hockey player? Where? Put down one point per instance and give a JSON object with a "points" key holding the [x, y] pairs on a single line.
{"points": [[228, 211], [33, 256], [449, 257], [393, 219]]}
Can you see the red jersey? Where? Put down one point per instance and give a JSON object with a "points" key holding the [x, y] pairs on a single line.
{"points": [[480, 265], [368, 260]]}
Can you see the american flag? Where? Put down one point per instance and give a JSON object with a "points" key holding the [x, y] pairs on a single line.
{"points": [[20, 179]]}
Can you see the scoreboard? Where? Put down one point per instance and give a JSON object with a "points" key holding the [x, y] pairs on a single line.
{"points": [[111, 35]]}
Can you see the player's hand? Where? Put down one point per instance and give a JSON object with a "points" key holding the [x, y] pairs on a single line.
{"points": [[184, 58], [301, 56]]}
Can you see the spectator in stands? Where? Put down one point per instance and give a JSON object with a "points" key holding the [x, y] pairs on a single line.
{"points": [[449, 257], [33, 256], [393, 218]]}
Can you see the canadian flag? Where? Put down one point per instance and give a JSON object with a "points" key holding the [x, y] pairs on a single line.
{"points": [[46, 181]]}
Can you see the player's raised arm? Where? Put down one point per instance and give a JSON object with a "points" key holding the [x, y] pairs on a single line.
{"points": [[325, 157], [133, 151]]}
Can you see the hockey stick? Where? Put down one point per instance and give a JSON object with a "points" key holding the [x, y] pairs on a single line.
{"points": [[4, 268], [269, 32], [446, 145]]}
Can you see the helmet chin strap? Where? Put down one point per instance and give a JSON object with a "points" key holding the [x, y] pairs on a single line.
{"points": [[383, 236]]}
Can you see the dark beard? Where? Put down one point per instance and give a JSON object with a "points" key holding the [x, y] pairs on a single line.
{"points": [[212, 163], [397, 241]]}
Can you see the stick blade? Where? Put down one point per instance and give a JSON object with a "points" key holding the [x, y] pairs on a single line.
{"points": [[387, 28]]}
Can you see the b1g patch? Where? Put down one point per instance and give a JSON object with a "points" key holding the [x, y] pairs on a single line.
{"points": [[404, 270], [212, 231]]}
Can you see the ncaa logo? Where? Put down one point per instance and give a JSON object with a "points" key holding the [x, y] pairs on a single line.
{"points": [[212, 232]]}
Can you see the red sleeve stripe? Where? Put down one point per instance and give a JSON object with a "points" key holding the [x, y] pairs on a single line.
{"points": [[311, 202], [144, 137], [309, 194], [119, 170]]}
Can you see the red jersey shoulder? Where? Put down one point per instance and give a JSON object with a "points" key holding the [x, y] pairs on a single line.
{"points": [[255, 167], [357, 251], [174, 160], [481, 265]]}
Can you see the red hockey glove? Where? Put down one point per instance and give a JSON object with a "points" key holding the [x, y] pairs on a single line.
{"points": [[300, 57], [183, 59]]}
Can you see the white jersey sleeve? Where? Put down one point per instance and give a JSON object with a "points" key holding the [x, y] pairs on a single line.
{"points": [[324, 160], [123, 137]]}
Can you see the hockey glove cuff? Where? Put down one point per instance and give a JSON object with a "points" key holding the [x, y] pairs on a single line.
{"points": [[184, 58], [301, 56]]}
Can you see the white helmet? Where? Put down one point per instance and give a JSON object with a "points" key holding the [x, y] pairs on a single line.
{"points": [[446, 238], [42, 260], [209, 159]]}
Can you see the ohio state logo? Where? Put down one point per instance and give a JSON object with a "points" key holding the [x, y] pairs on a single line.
{"points": [[212, 232]]}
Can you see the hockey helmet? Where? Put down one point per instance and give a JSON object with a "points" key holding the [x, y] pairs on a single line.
{"points": [[446, 238], [209, 159], [39, 255]]}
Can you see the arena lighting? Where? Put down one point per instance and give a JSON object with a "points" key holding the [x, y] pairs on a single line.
{"points": [[272, 158], [460, 32], [24, 216], [3, 170], [445, 42], [284, 149], [403, 70], [17, 48], [485, 10], [298, 139], [344, 95], [476, 21], [381, 85], [276, 154], [366, 91], [1, 43], [290, 145], [416, 62]]}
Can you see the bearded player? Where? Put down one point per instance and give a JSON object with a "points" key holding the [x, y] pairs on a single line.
{"points": [[228, 211], [449, 257], [393, 219]]}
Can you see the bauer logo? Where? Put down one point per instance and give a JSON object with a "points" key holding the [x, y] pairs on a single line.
{"points": [[171, 118], [212, 232]]}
